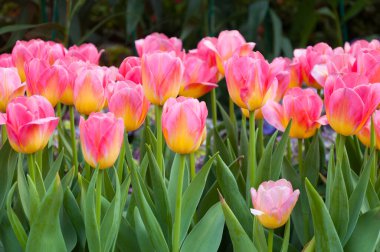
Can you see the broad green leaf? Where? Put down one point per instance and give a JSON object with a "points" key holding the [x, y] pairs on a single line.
{"points": [[259, 236], [127, 238], [8, 159], [277, 33], [240, 240], [347, 174], [68, 231], [330, 176], [192, 196], [8, 239], [220, 146], [257, 12], [172, 186], [45, 232], [23, 186], [278, 155], [207, 234], [230, 189], [326, 237], [134, 13], [53, 169], [263, 173], [365, 236], [142, 234], [231, 132], [312, 163], [35, 201], [23, 27]]}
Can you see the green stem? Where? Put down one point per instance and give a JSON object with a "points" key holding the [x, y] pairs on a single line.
{"points": [[178, 205], [289, 150], [192, 166], [213, 108], [38, 157], [159, 139], [340, 150], [270, 240], [260, 138], [252, 150], [59, 114], [120, 164], [285, 242], [32, 171], [73, 139], [300, 158], [87, 171], [3, 134], [373, 145], [232, 113], [99, 183]]}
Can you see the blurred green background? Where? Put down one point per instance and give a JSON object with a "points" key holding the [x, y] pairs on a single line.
{"points": [[276, 26]]}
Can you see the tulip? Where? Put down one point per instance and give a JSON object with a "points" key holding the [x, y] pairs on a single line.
{"points": [[198, 78], [10, 86], [368, 63], [48, 81], [183, 124], [30, 121], [126, 100], [273, 202], [161, 76], [302, 106], [364, 134], [6, 60], [130, 69], [349, 102], [89, 90], [249, 81], [101, 136], [279, 68], [86, 52], [158, 42]]}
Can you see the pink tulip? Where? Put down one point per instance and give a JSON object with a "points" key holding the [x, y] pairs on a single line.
{"points": [[126, 100], [198, 78], [249, 81], [111, 74], [101, 136], [158, 42], [89, 90], [48, 81], [6, 60], [349, 102], [368, 63], [273, 202], [302, 106], [364, 134], [184, 124], [279, 68], [361, 45], [130, 68], [10, 86], [86, 52], [30, 122], [162, 74]]}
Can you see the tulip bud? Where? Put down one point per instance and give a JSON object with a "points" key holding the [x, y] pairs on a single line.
{"points": [[158, 42], [86, 52], [130, 68], [273, 202], [10, 86], [30, 122], [101, 136], [184, 124]]}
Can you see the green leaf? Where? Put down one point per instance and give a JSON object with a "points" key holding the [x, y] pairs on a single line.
{"points": [[312, 163], [127, 239], [366, 233], [192, 196], [68, 231], [135, 9], [259, 236], [8, 159], [45, 233], [22, 27], [34, 201], [278, 155], [23, 187], [263, 173], [142, 234], [240, 240], [326, 237], [222, 148], [53, 169], [232, 194], [207, 234], [257, 12], [355, 9], [231, 132], [277, 33], [357, 197]]}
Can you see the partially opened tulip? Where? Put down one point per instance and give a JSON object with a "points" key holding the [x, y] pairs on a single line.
{"points": [[158, 42], [302, 106], [6, 60], [86, 52], [130, 69], [101, 137], [364, 134], [162, 74], [126, 100], [48, 81], [89, 90], [10, 86], [349, 102], [30, 121], [183, 124], [273, 202]]}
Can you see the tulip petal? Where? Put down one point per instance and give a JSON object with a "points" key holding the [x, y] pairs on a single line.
{"points": [[274, 114], [197, 90], [256, 212]]}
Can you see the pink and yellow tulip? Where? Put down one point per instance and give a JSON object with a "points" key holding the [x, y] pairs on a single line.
{"points": [[364, 134], [86, 52], [273, 202], [10, 86], [184, 124], [158, 42], [101, 137], [6, 60], [30, 121], [130, 69]]}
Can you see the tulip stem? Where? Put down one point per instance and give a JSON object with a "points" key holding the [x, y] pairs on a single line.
{"points": [[120, 164], [260, 138], [3, 134], [39, 159], [99, 182], [192, 166], [159, 139], [73, 140], [31, 167], [340, 150], [300, 157], [232, 112], [252, 150], [270, 240], [373, 145], [59, 114], [87, 171], [213, 108], [178, 205]]}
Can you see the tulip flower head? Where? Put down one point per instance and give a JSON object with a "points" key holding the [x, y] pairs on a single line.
{"points": [[126, 100], [30, 121], [158, 42], [184, 124], [302, 106], [86, 52], [130, 69], [6, 60], [101, 136], [349, 102], [364, 134], [273, 202], [162, 74], [10, 86]]}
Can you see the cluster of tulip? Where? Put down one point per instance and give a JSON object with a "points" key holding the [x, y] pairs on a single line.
{"points": [[171, 79]]}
